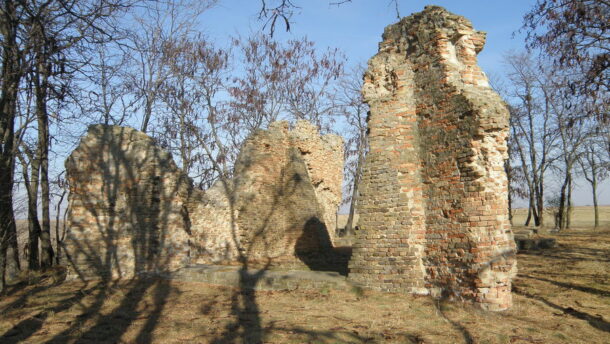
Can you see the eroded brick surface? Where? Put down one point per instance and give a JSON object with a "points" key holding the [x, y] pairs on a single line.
{"points": [[285, 194], [132, 210], [433, 198], [127, 205]]}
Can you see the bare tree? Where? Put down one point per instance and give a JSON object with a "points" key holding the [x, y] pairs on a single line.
{"points": [[193, 115], [10, 77], [534, 137], [594, 162], [45, 44], [30, 174], [205, 114], [574, 34], [155, 29], [105, 95], [286, 81], [572, 136], [356, 143]]}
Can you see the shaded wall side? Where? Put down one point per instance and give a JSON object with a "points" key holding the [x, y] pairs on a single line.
{"points": [[389, 244], [323, 156], [280, 220]]}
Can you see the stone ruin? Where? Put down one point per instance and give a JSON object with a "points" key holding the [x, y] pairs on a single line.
{"points": [[285, 194], [433, 196], [132, 210], [127, 207]]}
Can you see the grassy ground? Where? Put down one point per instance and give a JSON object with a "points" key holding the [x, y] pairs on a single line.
{"points": [[560, 296], [581, 216]]}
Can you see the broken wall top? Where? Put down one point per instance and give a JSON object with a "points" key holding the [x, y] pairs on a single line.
{"points": [[441, 48]]}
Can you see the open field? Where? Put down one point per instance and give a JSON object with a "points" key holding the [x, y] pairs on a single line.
{"points": [[560, 296], [582, 216]]}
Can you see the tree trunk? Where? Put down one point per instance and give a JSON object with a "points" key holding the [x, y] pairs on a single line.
{"points": [[349, 226], [529, 213], [569, 207], [31, 187], [539, 215], [595, 206], [57, 236], [561, 217], [147, 115], [3, 243], [10, 77], [41, 84]]}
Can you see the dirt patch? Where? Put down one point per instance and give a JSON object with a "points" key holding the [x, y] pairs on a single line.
{"points": [[560, 296]]}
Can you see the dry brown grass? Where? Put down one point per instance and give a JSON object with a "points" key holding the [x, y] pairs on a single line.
{"points": [[581, 216], [560, 296]]}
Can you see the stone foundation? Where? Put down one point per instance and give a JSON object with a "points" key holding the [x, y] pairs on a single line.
{"points": [[433, 197]]}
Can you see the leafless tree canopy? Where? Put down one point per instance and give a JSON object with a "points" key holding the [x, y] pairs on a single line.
{"points": [[575, 34]]}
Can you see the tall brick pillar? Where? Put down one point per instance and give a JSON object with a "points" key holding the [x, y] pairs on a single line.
{"points": [[433, 199]]}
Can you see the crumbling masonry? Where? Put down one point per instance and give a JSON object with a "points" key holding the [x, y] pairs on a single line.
{"points": [[433, 197], [132, 210], [285, 194]]}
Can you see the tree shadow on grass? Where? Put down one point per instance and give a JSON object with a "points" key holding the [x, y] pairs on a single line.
{"points": [[441, 305], [289, 212], [26, 328], [594, 291], [573, 254], [41, 282], [111, 327], [597, 322]]}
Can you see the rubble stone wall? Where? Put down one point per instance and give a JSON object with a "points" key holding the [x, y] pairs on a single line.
{"points": [[132, 210], [433, 199], [285, 194], [127, 205]]}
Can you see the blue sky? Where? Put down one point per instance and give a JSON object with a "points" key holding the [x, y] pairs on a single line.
{"points": [[356, 27]]}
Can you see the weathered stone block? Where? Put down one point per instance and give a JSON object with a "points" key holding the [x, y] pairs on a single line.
{"points": [[133, 218]]}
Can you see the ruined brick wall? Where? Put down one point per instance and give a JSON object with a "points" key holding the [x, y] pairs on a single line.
{"points": [[212, 226], [285, 194], [127, 206], [433, 198], [132, 210], [323, 156]]}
